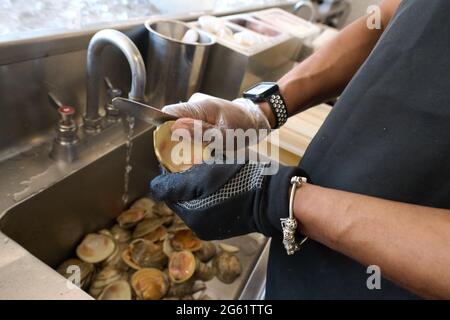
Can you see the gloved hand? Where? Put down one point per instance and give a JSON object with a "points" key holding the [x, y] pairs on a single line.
{"points": [[220, 201], [220, 114]]}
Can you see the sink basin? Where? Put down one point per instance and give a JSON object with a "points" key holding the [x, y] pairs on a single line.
{"points": [[52, 222]]}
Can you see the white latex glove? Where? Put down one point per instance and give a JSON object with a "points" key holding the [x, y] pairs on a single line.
{"points": [[218, 113]]}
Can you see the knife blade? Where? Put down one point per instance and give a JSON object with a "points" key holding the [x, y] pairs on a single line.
{"points": [[142, 111]]}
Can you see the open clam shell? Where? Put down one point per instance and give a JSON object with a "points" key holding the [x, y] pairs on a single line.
{"points": [[186, 240], [182, 266], [178, 155], [142, 253]]}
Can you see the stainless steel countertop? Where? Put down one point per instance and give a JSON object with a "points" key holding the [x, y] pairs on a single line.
{"points": [[22, 276]]}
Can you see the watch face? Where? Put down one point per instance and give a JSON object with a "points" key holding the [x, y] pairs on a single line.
{"points": [[260, 89]]}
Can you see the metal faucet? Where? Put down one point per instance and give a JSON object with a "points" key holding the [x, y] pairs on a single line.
{"points": [[92, 119]]}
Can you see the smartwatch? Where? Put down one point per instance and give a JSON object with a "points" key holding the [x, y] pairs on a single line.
{"points": [[269, 92]]}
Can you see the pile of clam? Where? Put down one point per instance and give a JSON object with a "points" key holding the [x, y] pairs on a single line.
{"points": [[150, 254]]}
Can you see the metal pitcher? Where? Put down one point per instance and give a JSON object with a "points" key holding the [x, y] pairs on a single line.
{"points": [[175, 67]]}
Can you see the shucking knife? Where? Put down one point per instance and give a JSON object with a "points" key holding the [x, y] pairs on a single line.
{"points": [[142, 111]]}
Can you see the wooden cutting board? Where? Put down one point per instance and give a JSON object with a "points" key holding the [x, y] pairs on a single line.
{"points": [[295, 136]]}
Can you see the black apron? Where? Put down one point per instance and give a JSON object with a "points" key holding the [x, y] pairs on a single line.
{"points": [[389, 137]]}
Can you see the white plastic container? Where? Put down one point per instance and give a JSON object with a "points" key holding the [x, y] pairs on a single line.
{"points": [[289, 23]]}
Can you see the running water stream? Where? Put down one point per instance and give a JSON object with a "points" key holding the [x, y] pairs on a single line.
{"points": [[128, 166]]}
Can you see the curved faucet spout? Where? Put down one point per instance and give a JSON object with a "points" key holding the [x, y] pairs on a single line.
{"points": [[138, 74]]}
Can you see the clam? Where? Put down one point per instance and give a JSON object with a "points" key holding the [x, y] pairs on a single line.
{"points": [[227, 267], [187, 153], [185, 288], [66, 269], [149, 284], [156, 235], [142, 253], [163, 210], [186, 240], [228, 248], [115, 259], [120, 234], [167, 246], [105, 232], [203, 271], [95, 248], [148, 225], [177, 225], [182, 266], [118, 290], [130, 218], [105, 277], [148, 254], [146, 204], [206, 252]]}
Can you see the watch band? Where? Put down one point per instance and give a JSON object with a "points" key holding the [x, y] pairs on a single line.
{"points": [[279, 109]]}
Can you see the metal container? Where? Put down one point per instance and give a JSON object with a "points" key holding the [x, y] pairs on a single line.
{"points": [[175, 67], [237, 67]]}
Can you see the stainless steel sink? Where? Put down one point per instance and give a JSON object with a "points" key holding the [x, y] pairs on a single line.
{"points": [[50, 223]]}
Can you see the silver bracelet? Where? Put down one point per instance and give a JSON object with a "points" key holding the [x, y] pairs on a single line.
{"points": [[289, 225]]}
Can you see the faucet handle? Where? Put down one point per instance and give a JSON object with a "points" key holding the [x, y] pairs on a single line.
{"points": [[112, 113], [67, 114]]}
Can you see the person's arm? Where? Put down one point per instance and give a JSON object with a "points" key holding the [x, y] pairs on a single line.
{"points": [[410, 243], [326, 73], [317, 79]]}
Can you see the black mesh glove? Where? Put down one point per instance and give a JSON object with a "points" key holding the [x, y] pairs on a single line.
{"points": [[221, 201]]}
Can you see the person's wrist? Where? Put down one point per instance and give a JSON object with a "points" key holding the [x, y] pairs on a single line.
{"points": [[301, 203], [265, 108]]}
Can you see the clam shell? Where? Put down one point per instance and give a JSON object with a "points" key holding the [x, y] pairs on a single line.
{"points": [[227, 267], [228, 248], [148, 225], [130, 218], [189, 153], [146, 204], [186, 240], [147, 254], [86, 271], [149, 284], [206, 252], [156, 235], [118, 290], [120, 234], [95, 248], [182, 266]]}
